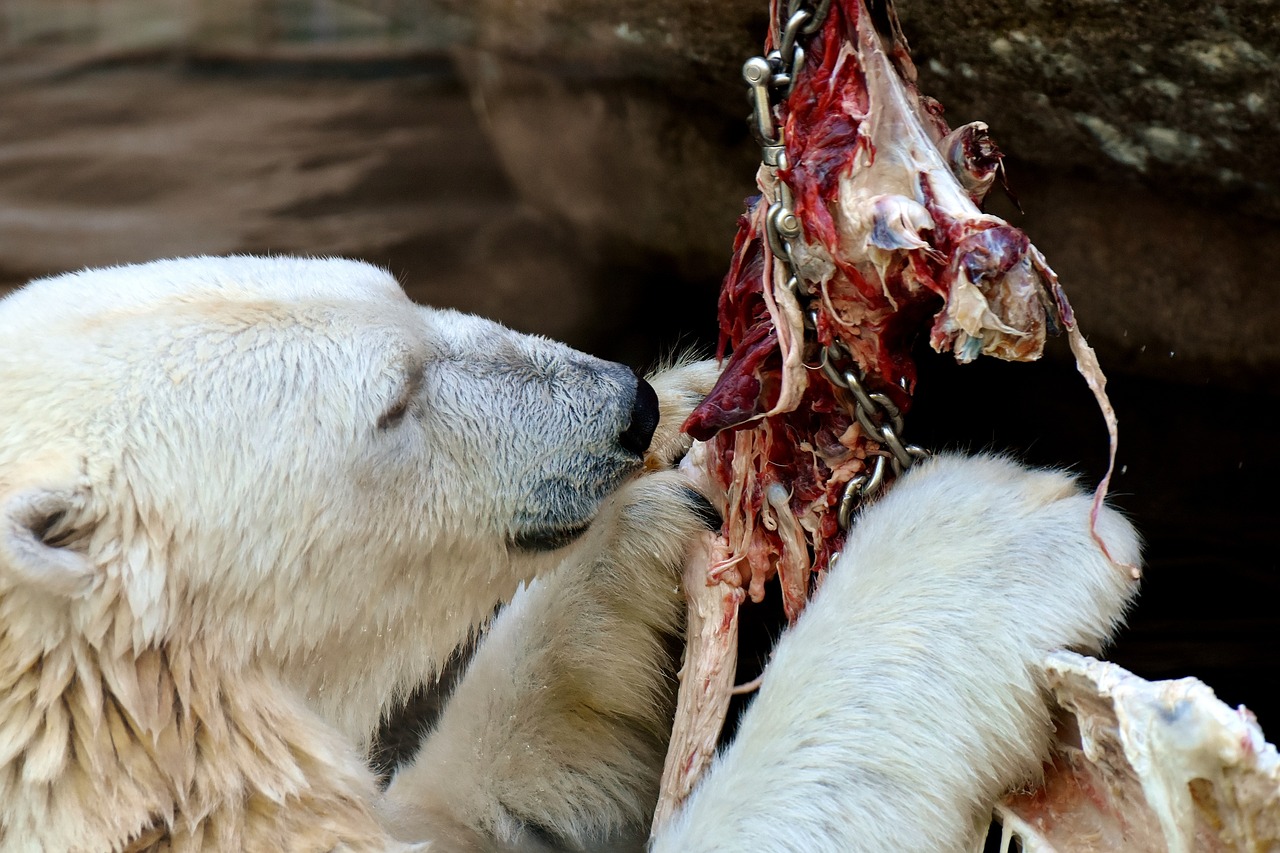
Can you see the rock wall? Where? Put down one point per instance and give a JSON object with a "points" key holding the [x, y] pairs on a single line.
{"points": [[1144, 144]]}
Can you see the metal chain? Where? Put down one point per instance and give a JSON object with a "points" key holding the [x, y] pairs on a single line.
{"points": [[771, 79], [881, 421]]}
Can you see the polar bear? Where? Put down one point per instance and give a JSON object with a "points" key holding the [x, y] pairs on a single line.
{"points": [[248, 504]]}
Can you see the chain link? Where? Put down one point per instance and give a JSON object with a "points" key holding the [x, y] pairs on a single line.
{"points": [[770, 80]]}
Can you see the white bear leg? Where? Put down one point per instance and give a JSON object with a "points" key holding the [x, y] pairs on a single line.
{"points": [[559, 726], [904, 702], [557, 731]]}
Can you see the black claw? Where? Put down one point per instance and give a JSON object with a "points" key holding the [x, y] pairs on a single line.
{"points": [[701, 507]]}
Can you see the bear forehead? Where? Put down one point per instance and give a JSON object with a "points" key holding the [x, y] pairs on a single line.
{"points": [[90, 295]]}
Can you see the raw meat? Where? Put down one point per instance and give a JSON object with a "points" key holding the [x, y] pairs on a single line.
{"points": [[893, 243]]}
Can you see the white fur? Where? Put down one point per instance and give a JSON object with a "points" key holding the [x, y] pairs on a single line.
{"points": [[197, 502], [905, 700], [247, 504]]}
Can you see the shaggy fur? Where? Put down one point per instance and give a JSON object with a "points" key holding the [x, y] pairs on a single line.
{"points": [[247, 504]]}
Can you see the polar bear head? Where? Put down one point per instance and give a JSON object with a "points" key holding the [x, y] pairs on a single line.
{"points": [[185, 445]]}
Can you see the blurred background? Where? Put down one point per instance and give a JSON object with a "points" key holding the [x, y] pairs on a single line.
{"points": [[575, 168]]}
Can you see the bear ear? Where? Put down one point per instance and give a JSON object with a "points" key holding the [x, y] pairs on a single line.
{"points": [[37, 539]]}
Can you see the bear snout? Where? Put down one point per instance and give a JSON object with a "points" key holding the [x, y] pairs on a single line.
{"points": [[644, 420]]}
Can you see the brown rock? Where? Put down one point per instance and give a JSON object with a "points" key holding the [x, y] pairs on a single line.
{"points": [[1143, 143]]}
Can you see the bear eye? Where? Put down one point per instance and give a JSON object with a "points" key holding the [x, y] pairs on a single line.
{"points": [[394, 415]]}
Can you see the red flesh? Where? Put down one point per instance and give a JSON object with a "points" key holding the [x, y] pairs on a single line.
{"points": [[876, 310]]}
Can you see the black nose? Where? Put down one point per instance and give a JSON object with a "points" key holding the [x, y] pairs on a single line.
{"points": [[644, 420]]}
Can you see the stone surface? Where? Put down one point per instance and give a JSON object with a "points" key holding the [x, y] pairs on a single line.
{"points": [[1144, 145], [1181, 94], [1185, 92], [127, 164]]}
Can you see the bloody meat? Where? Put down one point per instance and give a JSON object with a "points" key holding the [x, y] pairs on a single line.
{"points": [[894, 244]]}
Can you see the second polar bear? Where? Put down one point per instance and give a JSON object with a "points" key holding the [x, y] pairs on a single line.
{"points": [[247, 504]]}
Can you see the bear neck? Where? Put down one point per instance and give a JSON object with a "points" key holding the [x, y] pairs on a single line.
{"points": [[104, 746], [353, 668]]}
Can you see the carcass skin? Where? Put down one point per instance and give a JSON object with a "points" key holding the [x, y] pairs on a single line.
{"points": [[1146, 767], [706, 681]]}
